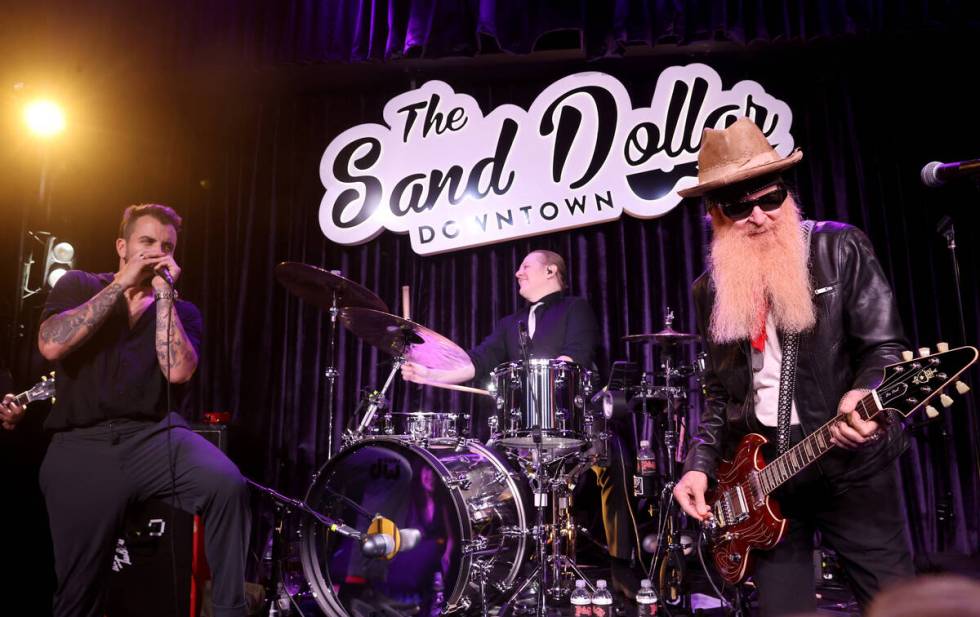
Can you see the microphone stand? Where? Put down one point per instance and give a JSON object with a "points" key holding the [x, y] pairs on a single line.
{"points": [[946, 230], [274, 587]]}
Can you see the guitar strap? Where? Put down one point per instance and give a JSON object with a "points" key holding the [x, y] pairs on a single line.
{"points": [[790, 344]]}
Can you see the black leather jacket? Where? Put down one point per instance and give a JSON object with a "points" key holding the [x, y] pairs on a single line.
{"points": [[858, 332]]}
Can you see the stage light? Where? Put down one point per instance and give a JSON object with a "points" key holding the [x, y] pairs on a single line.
{"points": [[44, 118], [61, 259]]}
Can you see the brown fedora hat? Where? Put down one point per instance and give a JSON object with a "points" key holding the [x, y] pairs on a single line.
{"points": [[740, 152]]}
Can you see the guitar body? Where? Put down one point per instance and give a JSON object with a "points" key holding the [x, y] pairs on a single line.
{"points": [[745, 519]]}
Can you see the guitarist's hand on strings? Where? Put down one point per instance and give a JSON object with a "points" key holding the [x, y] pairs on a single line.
{"points": [[689, 493], [10, 413], [850, 431]]}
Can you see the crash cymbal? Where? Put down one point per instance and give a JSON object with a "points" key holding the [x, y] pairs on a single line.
{"points": [[397, 336], [667, 336], [318, 287]]}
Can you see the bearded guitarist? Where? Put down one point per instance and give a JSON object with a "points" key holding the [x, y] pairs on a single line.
{"points": [[798, 322]]}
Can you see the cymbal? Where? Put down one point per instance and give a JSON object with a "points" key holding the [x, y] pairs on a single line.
{"points": [[667, 336], [397, 336], [318, 286]]}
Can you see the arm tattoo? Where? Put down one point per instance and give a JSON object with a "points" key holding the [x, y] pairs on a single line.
{"points": [[180, 357], [72, 327]]}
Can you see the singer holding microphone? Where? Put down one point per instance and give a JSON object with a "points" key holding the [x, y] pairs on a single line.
{"points": [[124, 347]]}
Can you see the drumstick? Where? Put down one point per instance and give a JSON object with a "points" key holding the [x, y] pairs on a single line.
{"points": [[452, 386], [406, 303]]}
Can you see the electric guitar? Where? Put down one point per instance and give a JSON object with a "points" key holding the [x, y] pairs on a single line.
{"points": [[747, 518], [42, 390]]}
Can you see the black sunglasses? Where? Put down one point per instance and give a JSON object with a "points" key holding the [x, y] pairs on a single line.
{"points": [[739, 210]]}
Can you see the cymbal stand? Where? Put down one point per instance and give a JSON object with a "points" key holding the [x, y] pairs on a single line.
{"points": [[669, 568], [376, 401], [331, 372]]}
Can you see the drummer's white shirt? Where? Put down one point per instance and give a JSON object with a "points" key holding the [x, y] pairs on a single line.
{"points": [[765, 381]]}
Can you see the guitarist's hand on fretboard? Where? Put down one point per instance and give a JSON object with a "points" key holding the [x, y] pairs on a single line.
{"points": [[10, 412], [851, 431]]}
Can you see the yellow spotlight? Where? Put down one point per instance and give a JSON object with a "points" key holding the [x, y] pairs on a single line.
{"points": [[44, 118]]}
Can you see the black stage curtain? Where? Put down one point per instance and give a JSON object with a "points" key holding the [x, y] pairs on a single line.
{"points": [[241, 164], [185, 34]]}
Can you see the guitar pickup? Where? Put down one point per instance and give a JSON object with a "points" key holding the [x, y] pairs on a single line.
{"points": [[755, 485]]}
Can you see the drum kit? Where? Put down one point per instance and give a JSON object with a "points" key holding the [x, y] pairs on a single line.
{"points": [[464, 527]]}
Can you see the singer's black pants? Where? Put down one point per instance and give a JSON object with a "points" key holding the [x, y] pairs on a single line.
{"points": [[90, 475], [865, 526]]}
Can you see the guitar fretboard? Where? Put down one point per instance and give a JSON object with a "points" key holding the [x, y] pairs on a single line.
{"points": [[812, 447]]}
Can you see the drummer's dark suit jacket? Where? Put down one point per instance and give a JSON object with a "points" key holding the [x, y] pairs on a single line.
{"points": [[565, 326]]}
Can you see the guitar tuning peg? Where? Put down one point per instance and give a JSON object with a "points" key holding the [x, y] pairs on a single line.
{"points": [[44, 377], [932, 412], [907, 355], [946, 401], [923, 352], [52, 374], [941, 347], [961, 387], [54, 399]]}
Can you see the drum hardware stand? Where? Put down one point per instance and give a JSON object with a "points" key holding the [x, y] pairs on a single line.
{"points": [[552, 567], [331, 372], [375, 402]]}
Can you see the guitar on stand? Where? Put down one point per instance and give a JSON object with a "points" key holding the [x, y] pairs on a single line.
{"points": [[746, 518]]}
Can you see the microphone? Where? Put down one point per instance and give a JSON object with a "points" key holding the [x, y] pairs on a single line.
{"points": [[384, 545], [522, 330], [937, 174], [166, 276]]}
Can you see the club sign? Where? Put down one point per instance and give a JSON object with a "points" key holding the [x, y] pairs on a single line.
{"points": [[453, 177]]}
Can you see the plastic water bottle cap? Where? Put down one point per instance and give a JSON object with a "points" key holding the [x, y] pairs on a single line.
{"points": [[579, 584], [644, 443], [646, 584], [600, 584]]}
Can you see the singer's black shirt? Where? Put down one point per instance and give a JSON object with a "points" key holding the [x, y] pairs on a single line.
{"points": [[565, 326], [115, 373]]}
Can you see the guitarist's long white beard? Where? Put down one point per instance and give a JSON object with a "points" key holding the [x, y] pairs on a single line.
{"points": [[750, 273]]}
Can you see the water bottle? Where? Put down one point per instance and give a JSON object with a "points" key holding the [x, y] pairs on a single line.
{"points": [[646, 600], [644, 482], [601, 600], [581, 600]]}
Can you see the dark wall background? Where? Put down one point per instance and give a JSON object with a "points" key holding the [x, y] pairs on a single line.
{"points": [[224, 111]]}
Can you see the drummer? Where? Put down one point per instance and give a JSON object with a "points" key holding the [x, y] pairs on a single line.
{"points": [[565, 328]]}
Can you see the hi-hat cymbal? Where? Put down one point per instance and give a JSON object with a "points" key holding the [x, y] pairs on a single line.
{"points": [[667, 336], [401, 337], [319, 287]]}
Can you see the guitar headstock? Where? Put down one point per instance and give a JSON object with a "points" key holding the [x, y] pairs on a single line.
{"points": [[42, 390], [913, 383]]}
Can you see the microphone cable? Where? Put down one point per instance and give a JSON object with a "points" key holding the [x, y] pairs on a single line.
{"points": [[170, 457]]}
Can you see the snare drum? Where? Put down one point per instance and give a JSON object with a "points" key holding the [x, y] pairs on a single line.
{"points": [[422, 426], [554, 402]]}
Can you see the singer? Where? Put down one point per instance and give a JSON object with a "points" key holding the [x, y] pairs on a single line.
{"points": [[562, 327], [116, 339]]}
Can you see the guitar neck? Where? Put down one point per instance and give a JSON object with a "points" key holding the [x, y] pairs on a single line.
{"points": [[22, 399], [807, 451]]}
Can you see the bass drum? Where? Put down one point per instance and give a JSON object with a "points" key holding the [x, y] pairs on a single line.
{"points": [[468, 504]]}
